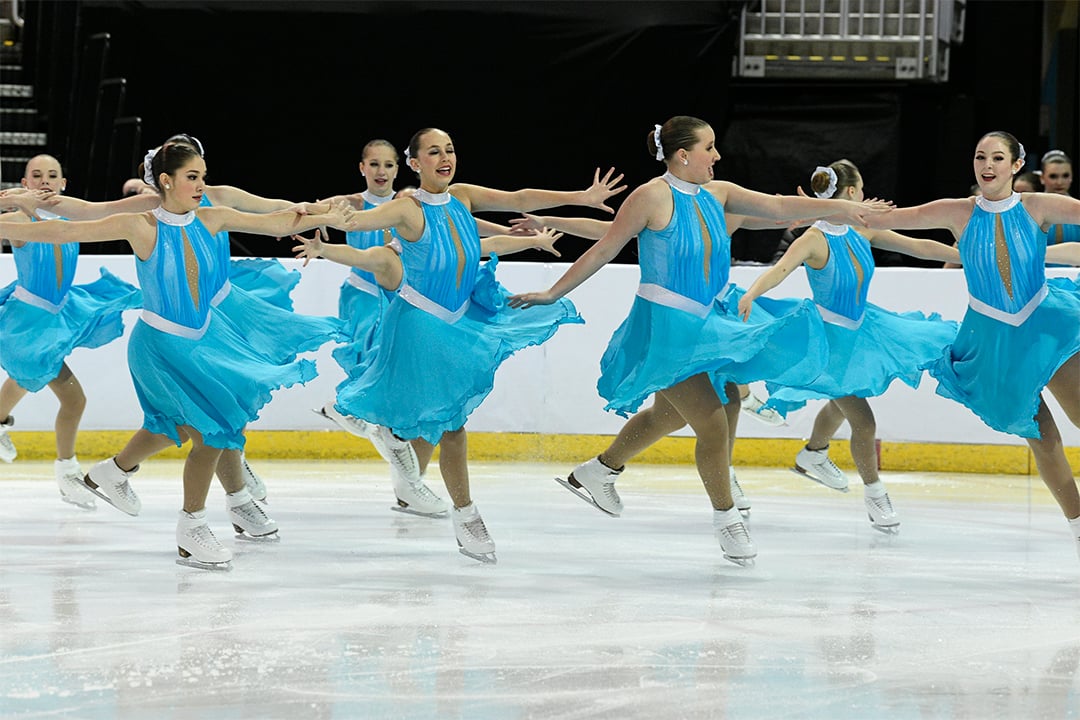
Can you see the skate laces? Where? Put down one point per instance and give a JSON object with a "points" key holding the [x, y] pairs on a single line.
{"points": [[253, 512], [883, 504], [202, 535], [476, 529], [736, 488], [736, 532]]}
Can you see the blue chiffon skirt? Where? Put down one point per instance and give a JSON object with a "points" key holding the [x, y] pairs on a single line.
{"points": [[426, 376], [864, 361], [266, 279], [34, 342], [999, 371], [362, 313], [657, 347]]}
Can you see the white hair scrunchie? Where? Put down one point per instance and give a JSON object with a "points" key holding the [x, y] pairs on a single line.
{"points": [[831, 190], [659, 147], [1023, 155], [147, 167]]}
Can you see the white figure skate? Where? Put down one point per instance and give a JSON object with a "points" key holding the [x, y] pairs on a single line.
{"points": [[734, 537], [249, 518], [472, 535], [197, 546], [69, 479], [879, 507], [348, 423], [7, 447], [741, 501], [110, 483], [594, 482], [414, 497], [252, 482], [816, 465]]}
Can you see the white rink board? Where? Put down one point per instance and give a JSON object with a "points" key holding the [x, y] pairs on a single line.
{"points": [[551, 388]]}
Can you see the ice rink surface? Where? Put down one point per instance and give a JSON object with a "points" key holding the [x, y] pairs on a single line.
{"points": [[972, 611]]}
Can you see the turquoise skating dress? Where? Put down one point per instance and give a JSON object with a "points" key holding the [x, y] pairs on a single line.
{"points": [[869, 347], [684, 320], [190, 363], [1018, 329], [254, 294], [362, 302], [445, 333], [43, 317]]}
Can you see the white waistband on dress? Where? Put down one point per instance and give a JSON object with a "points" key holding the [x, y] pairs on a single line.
{"points": [[836, 318], [1015, 319], [172, 328], [669, 298], [37, 301], [419, 301], [363, 284], [222, 293]]}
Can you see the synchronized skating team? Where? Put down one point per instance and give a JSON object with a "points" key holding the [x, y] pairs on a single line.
{"points": [[422, 310]]}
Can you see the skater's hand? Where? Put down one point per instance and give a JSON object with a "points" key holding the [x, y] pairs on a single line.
{"points": [[746, 304], [526, 225], [527, 300], [545, 240], [602, 189], [309, 247]]}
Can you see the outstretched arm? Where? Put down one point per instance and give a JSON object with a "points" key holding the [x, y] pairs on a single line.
{"points": [[587, 228], [138, 229], [741, 201], [633, 216], [1064, 253], [915, 247], [510, 244], [276, 224], [479, 198], [380, 261], [808, 247], [78, 209]]}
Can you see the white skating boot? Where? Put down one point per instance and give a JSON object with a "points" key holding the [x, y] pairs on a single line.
{"points": [[472, 535], [69, 479], [416, 498], [816, 465], [252, 482], [197, 545], [348, 423], [1074, 525], [110, 483], [7, 448], [734, 537], [756, 409], [594, 482], [399, 453], [741, 501], [880, 509], [249, 518]]}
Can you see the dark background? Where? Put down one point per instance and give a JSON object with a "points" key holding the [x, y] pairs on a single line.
{"points": [[538, 94]]}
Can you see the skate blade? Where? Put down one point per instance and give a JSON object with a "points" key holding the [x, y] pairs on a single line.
{"points": [[86, 505], [199, 565], [886, 529], [486, 558], [321, 412], [799, 471], [417, 513], [741, 562], [272, 537], [106, 498], [584, 496]]}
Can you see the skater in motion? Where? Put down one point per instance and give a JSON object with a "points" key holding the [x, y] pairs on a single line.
{"points": [[683, 342], [1020, 333], [255, 293], [195, 375], [869, 346], [448, 328], [44, 317], [362, 301]]}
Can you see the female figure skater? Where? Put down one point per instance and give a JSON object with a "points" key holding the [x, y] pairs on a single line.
{"points": [[196, 375], [1021, 332], [683, 339], [448, 328], [43, 318], [869, 346]]}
